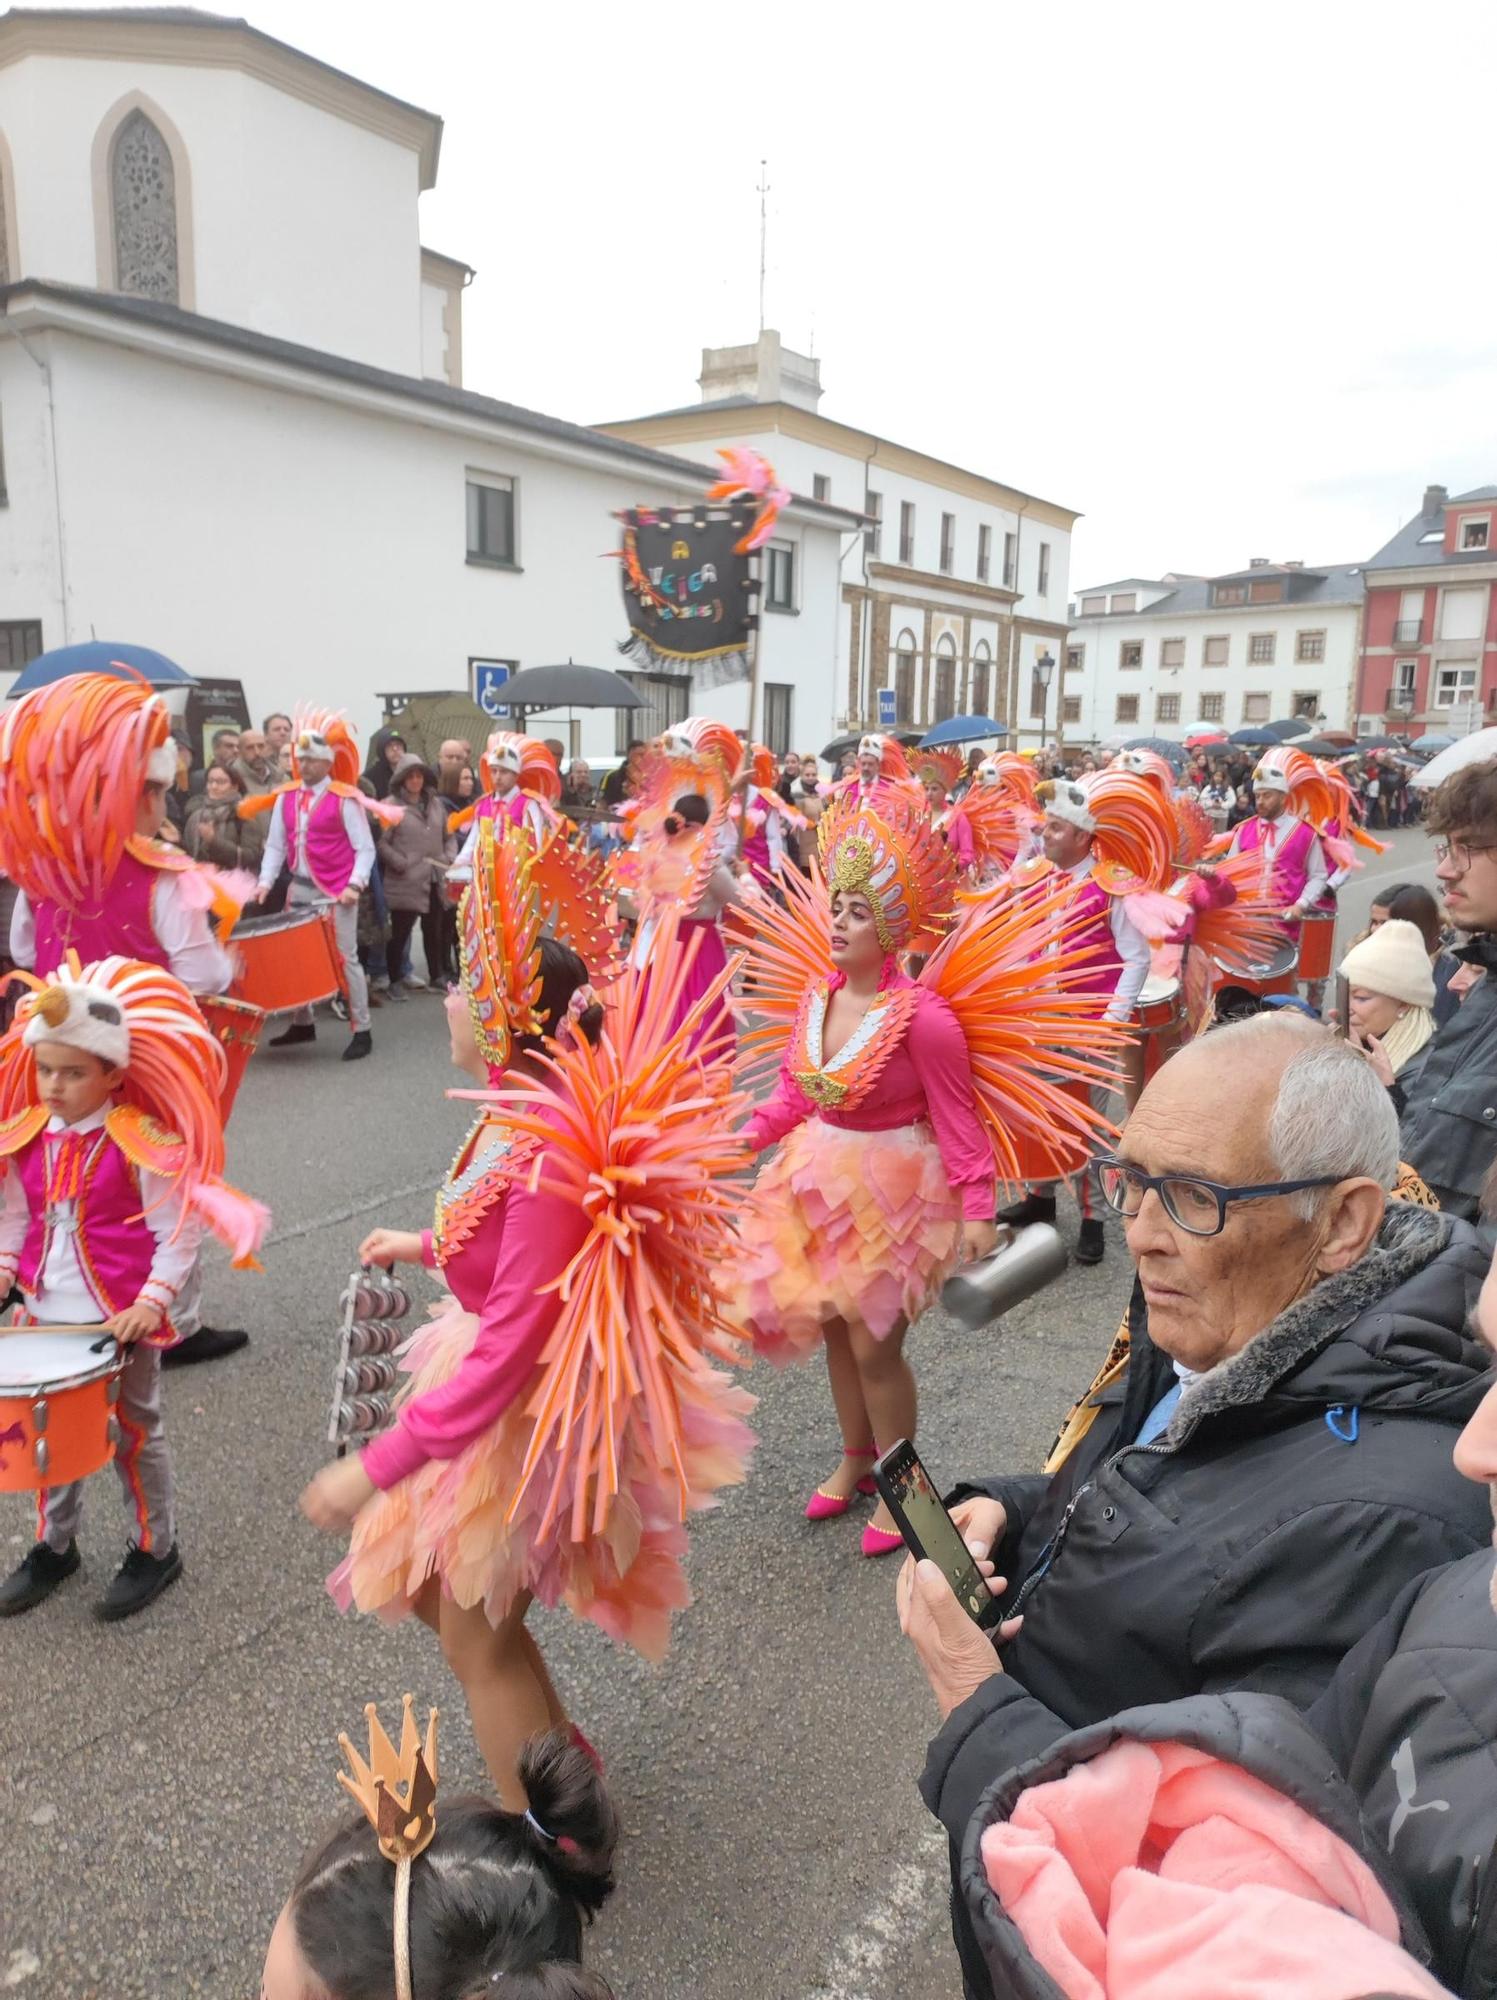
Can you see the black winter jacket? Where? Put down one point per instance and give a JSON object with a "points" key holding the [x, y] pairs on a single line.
{"points": [[1411, 1719], [1300, 1486], [1259, 1733], [1447, 1128]]}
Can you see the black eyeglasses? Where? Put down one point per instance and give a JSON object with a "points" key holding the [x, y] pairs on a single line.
{"points": [[1199, 1207], [1460, 852]]}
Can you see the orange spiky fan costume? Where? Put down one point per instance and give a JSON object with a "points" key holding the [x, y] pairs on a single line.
{"points": [[668, 863], [1318, 792], [168, 1119], [999, 810]]}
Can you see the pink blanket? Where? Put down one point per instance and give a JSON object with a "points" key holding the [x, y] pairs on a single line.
{"points": [[1156, 1872]]}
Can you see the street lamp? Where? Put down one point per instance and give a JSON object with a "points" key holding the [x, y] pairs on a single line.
{"points": [[1044, 673]]}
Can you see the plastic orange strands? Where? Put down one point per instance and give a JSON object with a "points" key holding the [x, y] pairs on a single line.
{"points": [[578, 905], [786, 951]]}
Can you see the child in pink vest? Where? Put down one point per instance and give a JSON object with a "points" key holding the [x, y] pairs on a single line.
{"points": [[111, 1146]]}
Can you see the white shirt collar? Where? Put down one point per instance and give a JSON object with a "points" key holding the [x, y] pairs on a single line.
{"points": [[93, 1123]]}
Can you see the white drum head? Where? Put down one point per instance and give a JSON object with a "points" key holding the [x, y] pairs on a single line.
{"points": [[1154, 990], [30, 1361]]}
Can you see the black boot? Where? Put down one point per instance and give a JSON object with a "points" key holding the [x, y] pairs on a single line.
{"points": [[1033, 1208], [36, 1577], [360, 1043], [289, 1038], [209, 1343], [1091, 1242], [139, 1581]]}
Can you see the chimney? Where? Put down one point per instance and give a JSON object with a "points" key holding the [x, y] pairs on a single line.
{"points": [[765, 370], [1434, 499], [1259, 562]]}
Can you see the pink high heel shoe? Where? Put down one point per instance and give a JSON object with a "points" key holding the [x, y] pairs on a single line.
{"points": [[878, 1542], [824, 1506]]}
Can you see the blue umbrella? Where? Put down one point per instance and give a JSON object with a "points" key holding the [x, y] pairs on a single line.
{"points": [[99, 656], [962, 729], [1253, 738]]}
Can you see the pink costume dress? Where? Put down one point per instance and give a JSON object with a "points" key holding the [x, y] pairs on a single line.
{"points": [[450, 1466], [717, 1028], [859, 1215]]}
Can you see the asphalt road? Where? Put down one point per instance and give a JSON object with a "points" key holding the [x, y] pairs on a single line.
{"points": [[162, 1778]]}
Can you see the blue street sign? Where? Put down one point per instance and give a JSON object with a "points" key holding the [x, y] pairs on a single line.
{"points": [[489, 677], [888, 707]]}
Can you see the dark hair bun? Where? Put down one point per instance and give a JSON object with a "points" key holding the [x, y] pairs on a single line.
{"points": [[568, 1800], [590, 1023]]}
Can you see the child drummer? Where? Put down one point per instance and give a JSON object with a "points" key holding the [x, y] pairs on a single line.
{"points": [[111, 1148]]}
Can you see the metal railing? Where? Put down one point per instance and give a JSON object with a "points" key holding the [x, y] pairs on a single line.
{"points": [[1406, 631]]}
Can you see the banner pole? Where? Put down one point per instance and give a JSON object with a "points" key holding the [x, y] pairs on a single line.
{"points": [[753, 733]]}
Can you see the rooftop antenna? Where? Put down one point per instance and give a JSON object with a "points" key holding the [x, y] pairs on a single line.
{"points": [[763, 232]]}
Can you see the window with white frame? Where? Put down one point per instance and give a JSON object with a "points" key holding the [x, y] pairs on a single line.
{"points": [[1405, 682], [1075, 659], [904, 677], [1127, 708], [1454, 685], [948, 543], [984, 552], [1071, 708], [779, 715], [1306, 705], [873, 507], [1214, 651], [1463, 612], [906, 532], [491, 519], [1255, 707], [945, 702], [1166, 708], [1126, 600], [821, 489], [982, 675], [779, 585], [1131, 653], [1476, 531], [1010, 562], [1172, 652], [1042, 587], [1309, 646], [1213, 707], [1261, 649], [1094, 606]]}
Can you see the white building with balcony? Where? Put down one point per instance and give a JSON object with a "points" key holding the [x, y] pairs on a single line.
{"points": [[1164, 655], [957, 585], [233, 421]]}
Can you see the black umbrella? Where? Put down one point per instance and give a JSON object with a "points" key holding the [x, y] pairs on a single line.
{"points": [[1256, 737], [1289, 725], [569, 686], [1174, 751], [1320, 746], [840, 745]]}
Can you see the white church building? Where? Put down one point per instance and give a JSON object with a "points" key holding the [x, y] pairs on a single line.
{"points": [[233, 423]]}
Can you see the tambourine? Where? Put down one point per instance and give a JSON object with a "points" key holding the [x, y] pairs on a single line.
{"points": [[372, 1303]]}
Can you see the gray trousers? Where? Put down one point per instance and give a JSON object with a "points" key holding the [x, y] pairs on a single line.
{"points": [[143, 1462], [346, 927]]}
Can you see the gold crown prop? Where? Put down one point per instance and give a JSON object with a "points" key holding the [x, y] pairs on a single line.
{"points": [[398, 1793]]}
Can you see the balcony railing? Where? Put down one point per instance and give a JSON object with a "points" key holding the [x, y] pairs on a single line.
{"points": [[1406, 631]]}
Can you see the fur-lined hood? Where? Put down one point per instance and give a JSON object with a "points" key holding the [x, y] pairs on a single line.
{"points": [[1388, 1334]]}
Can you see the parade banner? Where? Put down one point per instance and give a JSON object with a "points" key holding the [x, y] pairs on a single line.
{"points": [[690, 575]]}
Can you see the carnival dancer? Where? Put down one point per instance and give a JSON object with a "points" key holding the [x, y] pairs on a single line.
{"points": [[319, 829], [1289, 849], [85, 767], [938, 772], [882, 766], [771, 824], [521, 786], [1000, 814], [898, 1104], [562, 1418], [112, 1148], [1112, 837]]}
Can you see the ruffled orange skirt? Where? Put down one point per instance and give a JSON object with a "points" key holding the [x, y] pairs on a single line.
{"points": [[859, 1226], [448, 1520]]}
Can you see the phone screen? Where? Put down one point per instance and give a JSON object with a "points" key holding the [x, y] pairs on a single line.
{"points": [[929, 1530]]}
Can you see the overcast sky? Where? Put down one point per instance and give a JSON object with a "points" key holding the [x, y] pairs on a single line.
{"points": [[1220, 276]]}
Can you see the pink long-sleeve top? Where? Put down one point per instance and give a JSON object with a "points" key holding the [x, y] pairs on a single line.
{"points": [[522, 1243], [927, 1076]]}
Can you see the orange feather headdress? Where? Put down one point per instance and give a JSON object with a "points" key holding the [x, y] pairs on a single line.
{"points": [[529, 759], [1318, 792], [699, 736], [945, 765], [74, 759], [1132, 829], [892, 855], [1011, 774], [893, 763], [318, 726]]}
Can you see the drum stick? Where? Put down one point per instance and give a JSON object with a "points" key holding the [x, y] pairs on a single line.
{"points": [[97, 1326]]}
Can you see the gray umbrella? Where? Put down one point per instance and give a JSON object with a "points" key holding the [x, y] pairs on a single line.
{"points": [[569, 686]]}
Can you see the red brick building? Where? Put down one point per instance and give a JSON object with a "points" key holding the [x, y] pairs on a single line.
{"points": [[1429, 633]]}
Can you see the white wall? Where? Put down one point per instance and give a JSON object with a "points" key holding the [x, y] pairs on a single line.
{"points": [[317, 552], [304, 225]]}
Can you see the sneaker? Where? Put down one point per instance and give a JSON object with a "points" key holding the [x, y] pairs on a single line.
{"points": [[411, 984], [139, 1581], [339, 1006], [396, 993], [292, 1037], [1091, 1242], [1033, 1208], [359, 1044], [36, 1577], [209, 1343]]}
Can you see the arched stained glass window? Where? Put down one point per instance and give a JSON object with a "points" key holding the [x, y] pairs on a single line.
{"points": [[143, 195]]}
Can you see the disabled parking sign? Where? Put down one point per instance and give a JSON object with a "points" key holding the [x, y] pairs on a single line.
{"points": [[489, 677]]}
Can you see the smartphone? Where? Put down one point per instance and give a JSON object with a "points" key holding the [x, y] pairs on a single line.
{"points": [[930, 1532], [1343, 1006]]}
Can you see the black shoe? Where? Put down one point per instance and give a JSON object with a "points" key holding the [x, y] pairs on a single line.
{"points": [[1090, 1243], [1033, 1208], [209, 1343], [36, 1577], [360, 1043], [139, 1581], [290, 1038]]}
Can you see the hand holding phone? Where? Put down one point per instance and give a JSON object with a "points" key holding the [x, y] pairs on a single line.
{"points": [[929, 1531]]}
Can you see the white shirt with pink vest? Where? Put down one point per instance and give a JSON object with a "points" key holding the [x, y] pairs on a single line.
{"points": [[322, 837], [1293, 859]]}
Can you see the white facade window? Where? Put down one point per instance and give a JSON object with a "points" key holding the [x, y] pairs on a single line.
{"points": [[982, 675], [821, 489], [948, 543], [779, 584], [1463, 613], [1172, 652], [945, 701], [904, 677], [1213, 707], [1166, 708], [1043, 586], [1131, 653], [20, 641], [906, 532], [1075, 659], [1306, 704], [1261, 649], [1010, 562], [1455, 684], [1126, 600], [873, 507], [1127, 708], [1405, 680], [779, 715], [1309, 645], [1476, 531], [491, 519], [1093, 607], [1255, 708], [1229, 593], [1215, 651], [1071, 708], [984, 552], [143, 211]]}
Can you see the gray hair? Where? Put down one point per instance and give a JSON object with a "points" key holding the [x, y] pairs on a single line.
{"points": [[1331, 1115]]}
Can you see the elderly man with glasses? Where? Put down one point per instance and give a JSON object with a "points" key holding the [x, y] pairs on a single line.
{"points": [[1449, 1127], [1274, 1466]]}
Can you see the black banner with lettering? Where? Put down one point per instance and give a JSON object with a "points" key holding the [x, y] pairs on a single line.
{"points": [[691, 597]]}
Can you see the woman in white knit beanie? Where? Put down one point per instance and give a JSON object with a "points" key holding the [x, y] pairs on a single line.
{"points": [[1392, 992]]}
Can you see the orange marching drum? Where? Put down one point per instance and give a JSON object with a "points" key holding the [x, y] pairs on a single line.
{"points": [[288, 959], [1161, 1021], [235, 1026], [1317, 945], [57, 1398]]}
